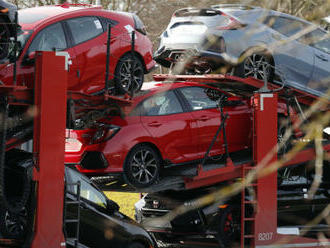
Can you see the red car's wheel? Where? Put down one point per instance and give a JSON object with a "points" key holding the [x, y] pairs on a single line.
{"points": [[4, 39], [229, 226], [124, 82], [142, 166]]}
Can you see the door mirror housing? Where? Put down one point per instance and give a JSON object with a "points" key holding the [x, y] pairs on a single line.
{"points": [[29, 59]]}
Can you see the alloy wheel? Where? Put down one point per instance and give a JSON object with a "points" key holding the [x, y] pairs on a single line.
{"points": [[144, 167], [257, 66], [125, 75]]}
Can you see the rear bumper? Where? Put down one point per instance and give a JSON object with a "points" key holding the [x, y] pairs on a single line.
{"points": [[166, 57]]}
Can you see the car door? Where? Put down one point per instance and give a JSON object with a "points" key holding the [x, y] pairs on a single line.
{"points": [[293, 59], [207, 115], [49, 38], [96, 227], [172, 128], [89, 44], [320, 42]]}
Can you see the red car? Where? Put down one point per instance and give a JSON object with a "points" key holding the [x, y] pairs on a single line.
{"points": [[81, 30], [166, 124]]}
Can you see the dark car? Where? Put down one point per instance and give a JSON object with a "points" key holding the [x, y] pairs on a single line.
{"points": [[252, 41], [81, 30], [8, 27], [100, 223], [220, 222], [168, 124]]}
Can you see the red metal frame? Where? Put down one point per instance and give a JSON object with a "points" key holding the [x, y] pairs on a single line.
{"points": [[264, 222], [49, 141], [236, 83], [265, 140]]}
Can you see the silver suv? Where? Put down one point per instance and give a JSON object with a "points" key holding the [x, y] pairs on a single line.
{"points": [[251, 41]]}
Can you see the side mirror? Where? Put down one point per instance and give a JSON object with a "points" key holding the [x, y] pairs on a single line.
{"points": [[112, 206], [29, 59]]}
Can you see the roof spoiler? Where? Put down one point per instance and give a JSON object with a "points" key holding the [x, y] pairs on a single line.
{"points": [[234, 6]]}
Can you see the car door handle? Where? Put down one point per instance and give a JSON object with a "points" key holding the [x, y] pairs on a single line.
{"points": [[321, 57], [154, 124], [203, 118]]}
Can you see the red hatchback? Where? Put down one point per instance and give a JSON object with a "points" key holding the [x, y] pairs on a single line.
{"points": [[166, 124], [81, 30]]}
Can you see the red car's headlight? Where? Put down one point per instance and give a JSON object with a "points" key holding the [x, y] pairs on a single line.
{"points": [[72, 145]]}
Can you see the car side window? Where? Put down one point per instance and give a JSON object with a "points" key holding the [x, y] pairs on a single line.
{"points": [[49, 39], [161, 104], [85, 28], [87, 191], [320, 40], [198, 98], [285, 26]]}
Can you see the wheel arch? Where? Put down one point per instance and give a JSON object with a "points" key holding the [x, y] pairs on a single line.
{"points": [[260, 48], [138, 55], [150, 144]]}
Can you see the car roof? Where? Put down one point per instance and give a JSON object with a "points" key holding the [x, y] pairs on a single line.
{"points": [[33, 16], [152, 88]]}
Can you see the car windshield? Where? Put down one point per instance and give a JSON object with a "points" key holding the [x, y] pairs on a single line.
{"points": [[22, 37], [87, 190]]}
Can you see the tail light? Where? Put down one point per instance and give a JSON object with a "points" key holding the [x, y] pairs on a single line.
{"points": [[104, 133], [139, 26], [72, 145], [230, 24]]}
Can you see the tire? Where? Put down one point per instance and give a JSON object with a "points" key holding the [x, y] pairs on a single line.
{"points": [[142, 166], [253, 66], [13, 225], [123, 74], [136, 245], [4, 39], [229, 226]]}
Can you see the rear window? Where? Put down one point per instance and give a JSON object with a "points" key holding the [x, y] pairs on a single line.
{"points": [[196, 12], [85, 28]]}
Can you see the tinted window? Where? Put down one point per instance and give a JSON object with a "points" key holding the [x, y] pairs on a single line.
{"points": [[285, 25], [87, 191], [49, 39], [85, 28], [161, 104], [198, 98]]}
